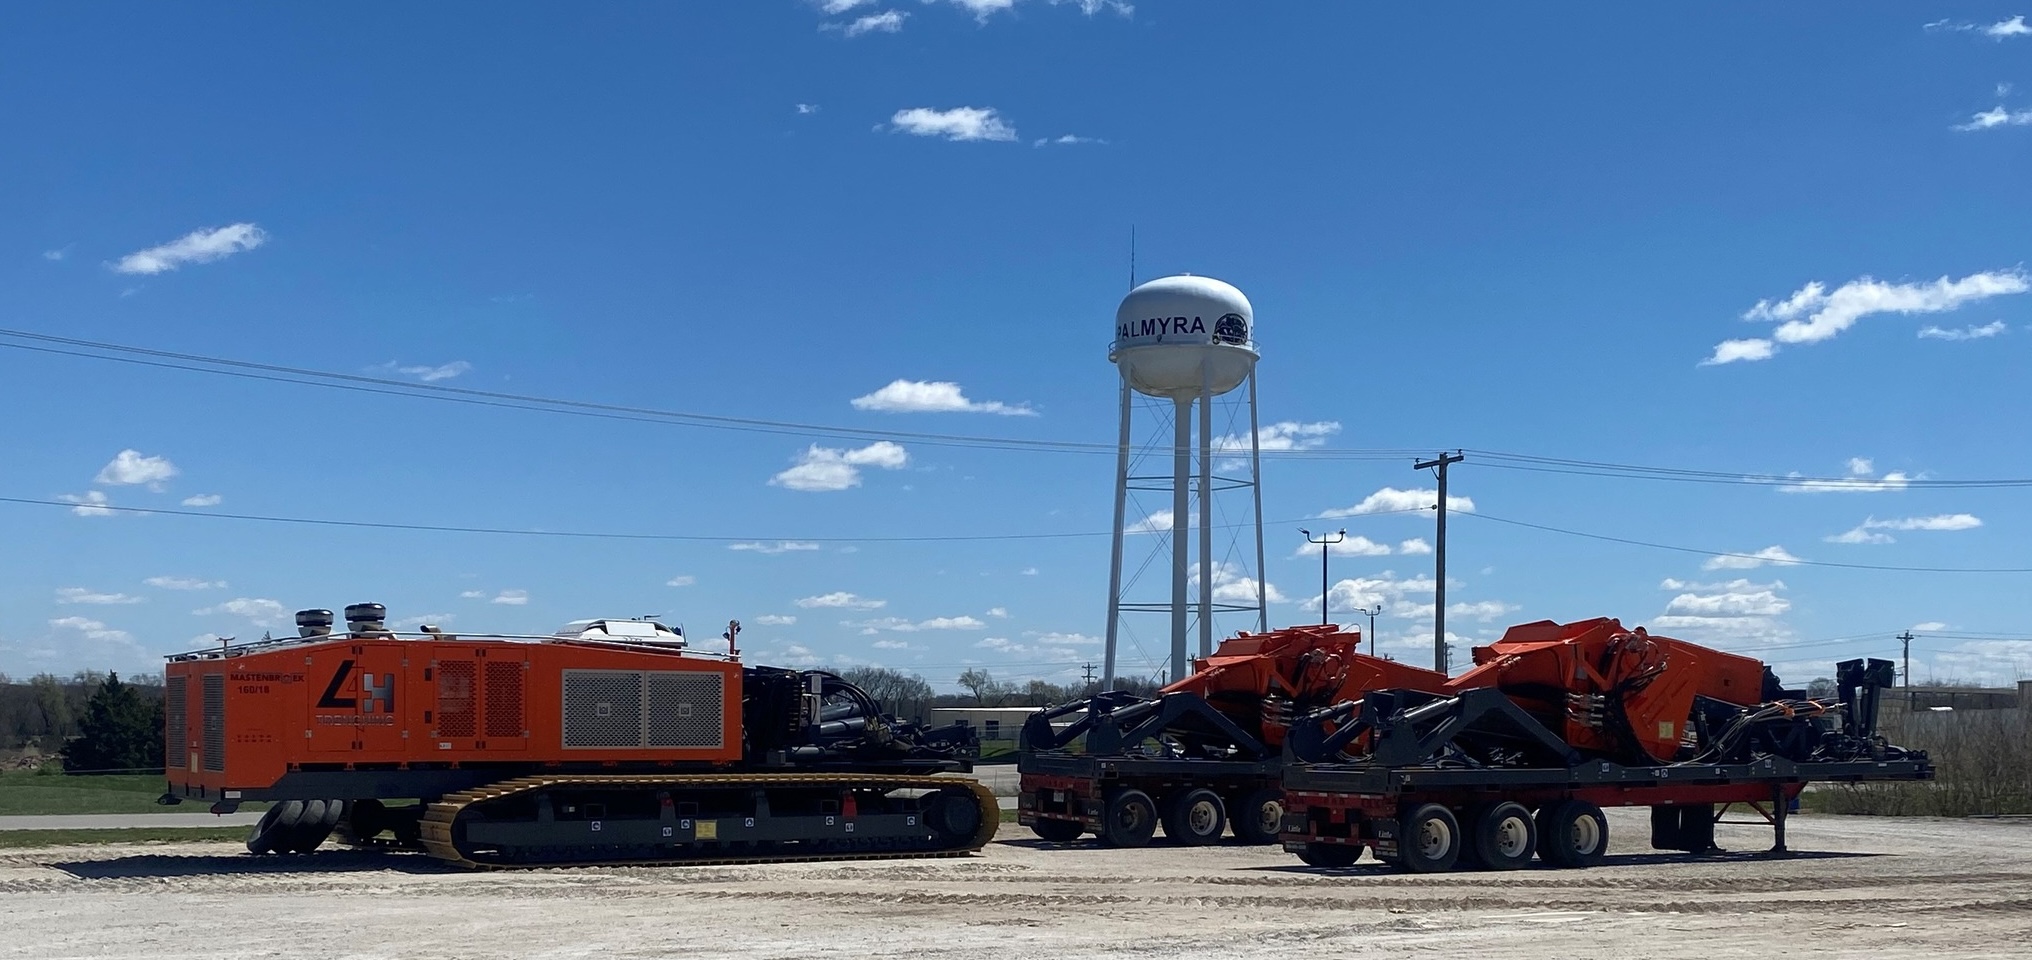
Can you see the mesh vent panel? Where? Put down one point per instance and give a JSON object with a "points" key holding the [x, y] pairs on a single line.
{"points": [[684, 709], [176, 723], [214, 707], [504, 700], [602, 708], [456, 708]]}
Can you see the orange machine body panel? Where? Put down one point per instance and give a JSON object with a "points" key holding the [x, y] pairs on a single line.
{"points": [[1310, 666], [242, 720], [1568, 674]]}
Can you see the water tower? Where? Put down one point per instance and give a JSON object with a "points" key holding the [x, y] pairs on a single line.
{"points": [[1185, 339]]}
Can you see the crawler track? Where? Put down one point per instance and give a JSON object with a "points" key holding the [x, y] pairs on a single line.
{"points": [[442, 838]]}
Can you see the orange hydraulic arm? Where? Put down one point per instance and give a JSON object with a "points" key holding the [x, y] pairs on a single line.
{"points": [[1262, 681]]}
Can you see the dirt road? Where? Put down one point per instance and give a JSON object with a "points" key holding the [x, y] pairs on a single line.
{"points": [[1904, 888]]}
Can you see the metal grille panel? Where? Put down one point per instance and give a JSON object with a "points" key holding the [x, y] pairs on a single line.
{"points": [[504, 700], [214, 716], [602, 708], [684, 709], [176, 722], [457, 710]]}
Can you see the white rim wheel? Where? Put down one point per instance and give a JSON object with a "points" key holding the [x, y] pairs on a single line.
{"points": [[1587, 835], [1434, 838], [1201, 817], [1270, 816], [1513, 837]]}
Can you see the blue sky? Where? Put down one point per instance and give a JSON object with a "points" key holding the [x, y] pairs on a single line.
{"points": [[1761, 242]]}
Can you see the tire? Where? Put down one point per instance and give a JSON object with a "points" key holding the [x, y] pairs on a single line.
{"points": [[1258, 817], [1330, 856], [275, 828], [1058, 831], [310, 831], [1572, 833], [1429, 839], [954, 816], [1129, 818], [1504, 837], [363, 820], [1195, 818]]}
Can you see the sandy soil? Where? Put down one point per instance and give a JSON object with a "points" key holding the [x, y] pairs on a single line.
{"points": [[1904, 888]]}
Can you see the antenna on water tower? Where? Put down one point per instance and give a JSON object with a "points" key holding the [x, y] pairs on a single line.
{"points": [[1186, 339], [1132, 256]]}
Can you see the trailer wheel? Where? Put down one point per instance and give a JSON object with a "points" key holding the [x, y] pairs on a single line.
{"points": [[1330, 856], [1572, 833], [1431, 839], [1129, 819], [270, 835], [1504, 837], [1195, 817], [1057, 831], [1259, 816]]}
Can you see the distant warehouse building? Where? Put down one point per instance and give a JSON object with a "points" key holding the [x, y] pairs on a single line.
{"points": [[989, 723]]}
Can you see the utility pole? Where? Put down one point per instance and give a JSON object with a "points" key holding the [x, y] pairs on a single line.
{"points": [[1089, 678], [1910, 699], [1323, 541], [1439, 657]]}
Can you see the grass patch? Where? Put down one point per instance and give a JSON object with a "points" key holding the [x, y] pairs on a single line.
{"points": [[24, 793], [10, 839], [1008, 816]]}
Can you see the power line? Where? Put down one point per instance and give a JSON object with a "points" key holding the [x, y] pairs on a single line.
{"points": [[359, 383], [1595, 468], [577, 534], [1792, 561]]}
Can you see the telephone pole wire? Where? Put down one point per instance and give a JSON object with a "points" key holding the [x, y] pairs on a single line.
{"points": [[1439, 657]]}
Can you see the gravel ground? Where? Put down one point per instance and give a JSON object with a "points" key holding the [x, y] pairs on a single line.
{"points": [[1897, 888]]}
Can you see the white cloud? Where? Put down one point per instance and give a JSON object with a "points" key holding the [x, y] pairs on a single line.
{"points": [[1484, 610], [775, 620], [1386, 590], [830, 7], [806, 109], [203, 500], [427, 373], [959, 123], [82, 595], [1091, 7], [929, 396], [1812, 314], [58, 253], [82, 641], [900, 625], [982, 9], [1393, 500], [1992, 329], [1995, 117], [1859, 480], [2014, 27], [772, 549], [1726, 615], [91, 503], [184, 583], [1774, 555], [511, 598], [1415, 545], [1232, 584], [1346, 547], [1761, 603], [842, 599], [263, 613], [472, 594], [434, 619], [198, 246], [1866, 531], [1157, 522], [1066, 140], [681, 580], [823, 469], [1930, 626], [890, 644], [1730, 351], [999, 613], [130, 468], [1028, 572], [1282, 435], [888, 21]]}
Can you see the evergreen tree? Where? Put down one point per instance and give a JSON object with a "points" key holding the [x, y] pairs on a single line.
{"points": [[119, 731]]}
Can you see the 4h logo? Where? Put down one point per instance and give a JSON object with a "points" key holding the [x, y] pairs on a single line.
{"points": [[374, 690]]}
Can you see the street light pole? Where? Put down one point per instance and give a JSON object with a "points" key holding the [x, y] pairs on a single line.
{"points": [[1371, 635], [1323, 541]]}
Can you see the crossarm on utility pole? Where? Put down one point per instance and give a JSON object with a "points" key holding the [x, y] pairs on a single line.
{"points": [[1439, 657]]}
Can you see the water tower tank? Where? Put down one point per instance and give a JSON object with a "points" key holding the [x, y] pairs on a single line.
{"points": [[1167, 328]]}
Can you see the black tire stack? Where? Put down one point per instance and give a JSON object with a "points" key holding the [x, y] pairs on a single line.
{"points": [[295, 826]]}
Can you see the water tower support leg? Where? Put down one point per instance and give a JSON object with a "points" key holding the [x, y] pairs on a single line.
{"points": [[1115, 562], [1181, 531], [1256, 489], [1206, 507]]}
